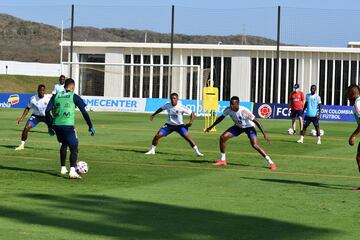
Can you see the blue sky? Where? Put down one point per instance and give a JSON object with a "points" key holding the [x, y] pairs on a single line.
{"points": [[304, 22]]}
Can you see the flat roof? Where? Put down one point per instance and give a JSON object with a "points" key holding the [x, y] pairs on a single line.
{"points": [[213, 46]]}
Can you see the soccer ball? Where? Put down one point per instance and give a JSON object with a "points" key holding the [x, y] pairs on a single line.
{"points": [[291, 131], [313, 132], [82, 167]]}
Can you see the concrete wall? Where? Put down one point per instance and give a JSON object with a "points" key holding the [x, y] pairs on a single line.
{"points": [[32, 69]]}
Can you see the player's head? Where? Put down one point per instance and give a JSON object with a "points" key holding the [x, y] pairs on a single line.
{"points": [[353, 92], [313, 89], [296, 86], [69, 84], [174, 98], [41, 90], [62, 79], [234, 103]]}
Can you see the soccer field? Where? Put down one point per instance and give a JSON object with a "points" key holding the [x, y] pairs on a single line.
{"points": [[174, 194]]}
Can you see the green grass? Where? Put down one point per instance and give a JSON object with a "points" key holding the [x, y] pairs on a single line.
{"points": [[25, 84], [175, 195]]}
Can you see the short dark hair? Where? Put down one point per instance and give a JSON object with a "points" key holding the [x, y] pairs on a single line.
{"points": [[353, 87], [313, 86], [235, 98], [40, 86], [62, 76], [68, 82], [174, 94]]}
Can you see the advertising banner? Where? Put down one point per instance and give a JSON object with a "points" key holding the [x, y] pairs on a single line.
{"points": [[14, 100], [114, 104], [282, 111], [152, 104]]}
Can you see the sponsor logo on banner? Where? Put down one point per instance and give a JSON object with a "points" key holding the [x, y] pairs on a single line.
{"points": [[265, 111], [14, 99], [10, 101], [114, 104]]}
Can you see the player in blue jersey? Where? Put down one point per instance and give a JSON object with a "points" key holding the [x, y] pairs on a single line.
{"points": [[354, 98], [312, 114], [175, 123]]}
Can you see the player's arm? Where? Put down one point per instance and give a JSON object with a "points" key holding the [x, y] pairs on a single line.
{"points": [[26, 111], [81, 105], [305, 106], [48, 110], [155, 113], [217, 121], [192, 117], [258, 124], [319, 109]]}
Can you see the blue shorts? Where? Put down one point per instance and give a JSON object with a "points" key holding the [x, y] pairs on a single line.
{"points": [[308, 120], [66, 135], [34, 120], [236, 131], [167, 129]]}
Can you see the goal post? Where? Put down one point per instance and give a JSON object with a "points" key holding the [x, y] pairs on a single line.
{"points": [[138, 80]]}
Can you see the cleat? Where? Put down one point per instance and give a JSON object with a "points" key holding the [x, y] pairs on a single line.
{"points": [[294, 132], [356, 190], [300, 141], [63, 171], [150, 152], [319, 142], [20, 147], [220, 163], [272, 166], [74, 175], [199, 154]]}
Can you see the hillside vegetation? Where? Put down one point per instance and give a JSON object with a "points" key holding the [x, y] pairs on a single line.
{"points": [[36, 42]]}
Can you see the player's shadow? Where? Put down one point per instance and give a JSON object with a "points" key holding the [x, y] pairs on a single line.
{"points": [[27, 147], [144, 151], [18, 169], [32, 131], [205, 162], [296, 182], [118, 218]]}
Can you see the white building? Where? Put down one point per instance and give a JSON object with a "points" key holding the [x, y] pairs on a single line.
{"points": [[243, 70]]}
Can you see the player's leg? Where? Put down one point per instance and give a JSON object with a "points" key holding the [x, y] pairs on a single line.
{"points": [[293, 124], [358, 157], [73, 143], [317, 127], [251, 132], [301, 122], [231, 132], [163, 132], [60, 135], [183, 131], [24, 135], [307, 122], [50, 129]]}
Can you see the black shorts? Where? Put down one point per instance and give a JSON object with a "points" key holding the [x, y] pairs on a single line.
{"points": [[309, 120], [296, 113], [66, 135]]}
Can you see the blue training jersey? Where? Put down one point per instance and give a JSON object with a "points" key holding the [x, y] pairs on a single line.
{"points": [[313, 102]]}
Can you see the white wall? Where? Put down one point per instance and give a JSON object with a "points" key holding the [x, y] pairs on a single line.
{"points": [[32, 69]]}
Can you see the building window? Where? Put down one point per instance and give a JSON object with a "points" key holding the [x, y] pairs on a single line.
{"points": [[345, 81], [329, 83], [253, 80], [165, 88], [146, 77], [337, 82], [91, 77], [208, 71], [266, 79], [227, 79], [156, 77], [127, 76]]}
